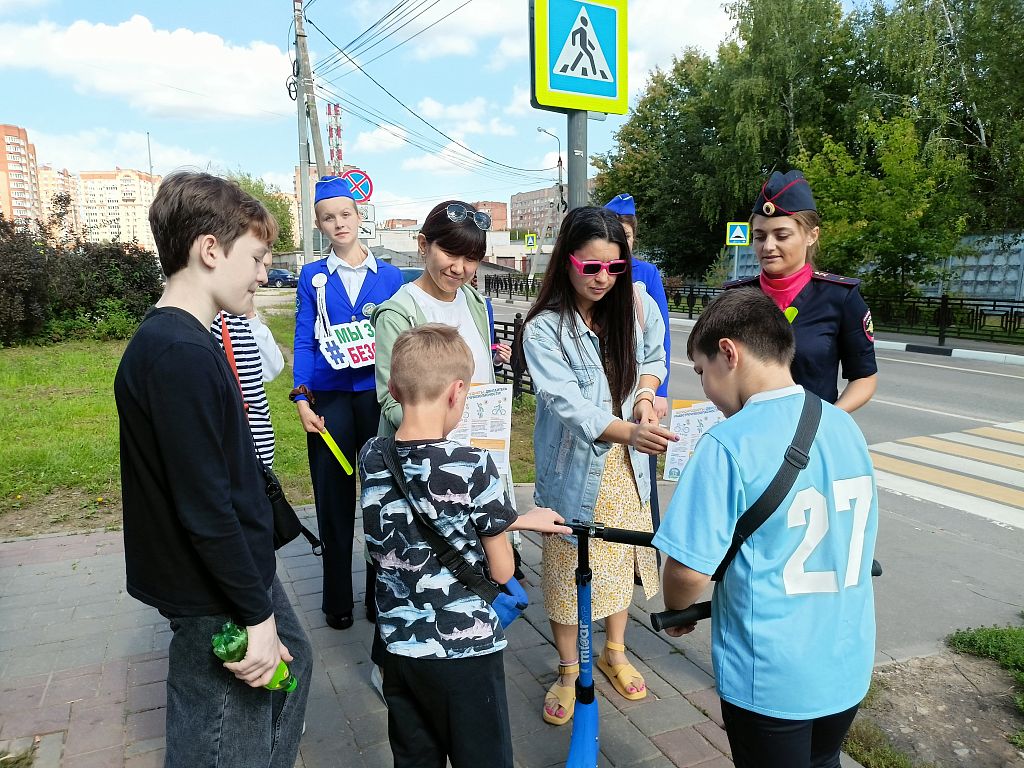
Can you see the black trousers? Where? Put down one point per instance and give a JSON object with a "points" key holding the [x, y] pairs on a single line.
{"points": [[447, 709], [352, 419], [759, 741]]}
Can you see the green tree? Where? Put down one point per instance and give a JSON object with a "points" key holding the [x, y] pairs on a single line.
{"points": [[891, 205], [659, 159], [276, 202], [23, 258]]}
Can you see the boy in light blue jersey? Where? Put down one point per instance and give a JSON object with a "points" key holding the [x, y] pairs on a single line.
{"points": [[793, 627]]}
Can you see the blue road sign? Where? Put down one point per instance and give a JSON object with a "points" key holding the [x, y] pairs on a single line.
{"points": [[579, 55], [362, 186], [737, 233]]}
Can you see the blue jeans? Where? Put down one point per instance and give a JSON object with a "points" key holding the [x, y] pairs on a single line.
{"points": [[215, 720]]}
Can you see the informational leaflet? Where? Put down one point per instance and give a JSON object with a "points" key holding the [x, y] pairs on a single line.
{"points": [[690, 420], [487, 422]]}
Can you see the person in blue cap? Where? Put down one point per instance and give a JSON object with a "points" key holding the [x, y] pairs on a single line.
{"points": [[334, 380], [830, 319], [624, 208]]}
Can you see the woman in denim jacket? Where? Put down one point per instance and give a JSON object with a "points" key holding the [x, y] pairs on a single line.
{"points": [[595, 366]]}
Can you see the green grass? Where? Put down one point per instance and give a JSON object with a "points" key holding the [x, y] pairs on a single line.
{"points": [[868, 745], [1004, 645], [58, 424], [20, 760]]}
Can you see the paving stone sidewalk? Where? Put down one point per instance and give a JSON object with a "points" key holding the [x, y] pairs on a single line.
{"points": [[83, 667]]}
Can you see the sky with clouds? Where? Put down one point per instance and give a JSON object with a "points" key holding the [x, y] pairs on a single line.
{"points": [[207, 81]]}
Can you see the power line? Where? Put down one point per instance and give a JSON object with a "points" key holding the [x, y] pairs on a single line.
{"points": [[336, 56], [444, 152], [422, 120]]}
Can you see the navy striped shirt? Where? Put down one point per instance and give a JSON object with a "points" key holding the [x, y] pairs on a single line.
{"points": [[250, 362]]}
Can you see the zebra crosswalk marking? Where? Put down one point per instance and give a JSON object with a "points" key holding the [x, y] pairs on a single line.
{"points": [[954, 448], [952, 462], [983, 442], [1017, 426], [991, 510], [1007, 435], [944, 479]]}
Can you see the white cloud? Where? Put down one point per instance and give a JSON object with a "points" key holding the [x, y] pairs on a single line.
{"points": [[511, 50], [283, 181], [383, 139], [101, 149], [14, 6], [444, 46], [180, 73], [452, 160], [519, 106], [659, 30], [432, 109]]}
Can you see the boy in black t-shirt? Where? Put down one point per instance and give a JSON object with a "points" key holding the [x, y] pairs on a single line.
{"points": [[444, 680], [198, 527]]}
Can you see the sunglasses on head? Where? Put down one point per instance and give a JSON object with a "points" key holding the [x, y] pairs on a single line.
{"points": [[457, 213], [592, 268]]}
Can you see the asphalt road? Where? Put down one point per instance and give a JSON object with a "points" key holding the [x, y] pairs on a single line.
{"points": [[951, 491]]}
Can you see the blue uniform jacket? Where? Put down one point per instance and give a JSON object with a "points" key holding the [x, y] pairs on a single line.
{"points": [[832, 326], [650, 276], [310, 367]]}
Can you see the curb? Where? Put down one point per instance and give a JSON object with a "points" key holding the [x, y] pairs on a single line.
{"points": [[924, 349]]}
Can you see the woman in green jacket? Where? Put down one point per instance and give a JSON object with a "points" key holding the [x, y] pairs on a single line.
{"points": [[452, 243]]}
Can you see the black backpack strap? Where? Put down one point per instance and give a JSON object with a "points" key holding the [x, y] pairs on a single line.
{"points": [[468, 575], [796, 458]]}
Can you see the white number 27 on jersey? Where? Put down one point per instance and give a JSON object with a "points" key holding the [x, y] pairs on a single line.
{"points": [[810, 509]]}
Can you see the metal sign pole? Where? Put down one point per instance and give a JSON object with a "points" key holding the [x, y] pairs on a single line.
{"points": [[576, 120], [735, 262]]}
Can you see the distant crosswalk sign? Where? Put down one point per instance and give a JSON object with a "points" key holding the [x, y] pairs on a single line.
{"points": [[737, 233], [531, 242]]}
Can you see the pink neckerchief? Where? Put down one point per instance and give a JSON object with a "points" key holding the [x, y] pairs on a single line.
{"points": [[784, 289]]}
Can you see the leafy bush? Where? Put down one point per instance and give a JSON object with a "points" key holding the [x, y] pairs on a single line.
{"points": [[23, 263]]}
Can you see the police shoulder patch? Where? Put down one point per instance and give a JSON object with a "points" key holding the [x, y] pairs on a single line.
{"points": [[869, 326]]}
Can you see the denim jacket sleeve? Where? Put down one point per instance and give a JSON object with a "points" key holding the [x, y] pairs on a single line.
{"points": [[557, 384], [654, 362]]}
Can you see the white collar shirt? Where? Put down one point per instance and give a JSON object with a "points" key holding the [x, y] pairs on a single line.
{"points": [[352, 277]]}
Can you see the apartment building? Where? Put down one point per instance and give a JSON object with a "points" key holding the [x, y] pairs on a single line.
{"points": [[114, 205], [59, 181], [538, 210], [19, 177]]}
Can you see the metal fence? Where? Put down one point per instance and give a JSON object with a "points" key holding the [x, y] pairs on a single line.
{"points": [[515, 373], [998, 320]]}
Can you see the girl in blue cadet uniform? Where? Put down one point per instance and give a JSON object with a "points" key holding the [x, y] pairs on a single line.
{"points": [[830, 319], [334, 390], [593, 343], [624, 208]]}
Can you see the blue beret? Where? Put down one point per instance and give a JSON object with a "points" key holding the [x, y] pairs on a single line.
{"points": [[784, 194], [332, 186], [622, 205]]}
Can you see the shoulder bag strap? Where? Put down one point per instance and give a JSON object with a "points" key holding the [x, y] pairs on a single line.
{"points": [[797, 456], [468, 575], [229, 350]]}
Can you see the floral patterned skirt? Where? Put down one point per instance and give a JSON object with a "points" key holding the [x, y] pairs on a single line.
{"points": [[614, 565]]}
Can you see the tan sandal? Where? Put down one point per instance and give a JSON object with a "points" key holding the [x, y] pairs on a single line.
{"points": [[622, 675], [563, 696]]}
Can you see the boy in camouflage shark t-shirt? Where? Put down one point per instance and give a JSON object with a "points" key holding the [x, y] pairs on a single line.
{"points": [[444, 679]]}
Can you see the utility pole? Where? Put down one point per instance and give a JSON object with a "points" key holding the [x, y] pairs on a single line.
{"points": [[306, 86], [305, 205]]}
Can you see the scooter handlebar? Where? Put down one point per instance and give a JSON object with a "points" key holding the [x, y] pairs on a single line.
{"points": [[691, 615]]}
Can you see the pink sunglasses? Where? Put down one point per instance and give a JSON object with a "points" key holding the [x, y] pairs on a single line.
{"points": [[592, 268]]}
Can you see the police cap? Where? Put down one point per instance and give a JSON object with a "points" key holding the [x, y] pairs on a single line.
{"points": [[784, 194]]}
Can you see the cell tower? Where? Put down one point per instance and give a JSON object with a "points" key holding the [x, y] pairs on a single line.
{"points": [[334, 137]]}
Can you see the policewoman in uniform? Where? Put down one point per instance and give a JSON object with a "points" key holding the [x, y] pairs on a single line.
{"points": [[831, 321], [344, 287]]}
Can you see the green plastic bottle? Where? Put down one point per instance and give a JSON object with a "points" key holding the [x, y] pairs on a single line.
{"points": [[230, 645]]}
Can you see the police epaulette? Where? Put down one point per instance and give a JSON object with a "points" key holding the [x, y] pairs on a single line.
{"points": [[741, 281], [849, 282]]}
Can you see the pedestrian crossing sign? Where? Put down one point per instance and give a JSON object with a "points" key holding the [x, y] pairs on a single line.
{"points": [[579, 55], [737, 233]]}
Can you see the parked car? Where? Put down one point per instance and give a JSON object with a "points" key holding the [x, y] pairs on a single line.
{"points": [[410, 273], [281, 278]]}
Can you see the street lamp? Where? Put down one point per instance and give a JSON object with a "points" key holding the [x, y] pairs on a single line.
{"points": [[561, 196]]}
